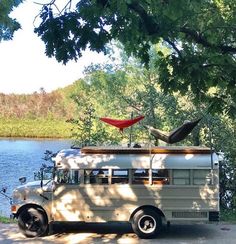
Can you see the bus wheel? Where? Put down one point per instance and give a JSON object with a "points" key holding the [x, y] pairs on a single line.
{"points": [[32, 222], [146, 223]]}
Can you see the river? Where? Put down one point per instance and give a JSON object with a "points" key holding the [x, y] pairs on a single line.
{"points": [[22, 157]]}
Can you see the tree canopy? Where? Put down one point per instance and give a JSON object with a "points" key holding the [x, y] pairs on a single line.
{"points": [[199, 34], [8, 25]]}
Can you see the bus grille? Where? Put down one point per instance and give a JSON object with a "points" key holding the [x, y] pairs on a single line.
{"points": [[190, 215]]}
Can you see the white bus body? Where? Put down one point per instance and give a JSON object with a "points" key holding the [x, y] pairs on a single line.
{"points": [[146, 187]]}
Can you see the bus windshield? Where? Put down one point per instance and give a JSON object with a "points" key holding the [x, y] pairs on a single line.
{"points": [[47, 174]]}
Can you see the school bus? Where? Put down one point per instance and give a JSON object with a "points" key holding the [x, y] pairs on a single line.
{"points": [[147, 187]]}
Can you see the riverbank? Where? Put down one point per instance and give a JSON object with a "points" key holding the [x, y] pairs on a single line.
{"points": [[34, 128], [5, 220]]}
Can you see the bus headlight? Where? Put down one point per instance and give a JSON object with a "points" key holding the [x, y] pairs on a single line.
{"points": [[13, 208]]}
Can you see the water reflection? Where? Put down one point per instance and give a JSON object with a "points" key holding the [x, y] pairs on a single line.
{"points": [[21, 157]]}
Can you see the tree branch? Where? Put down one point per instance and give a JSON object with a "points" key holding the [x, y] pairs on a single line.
{"points": [[130, 103], [200, 39], [153, 28], [174, 46], [215, 65], [148, 21]]}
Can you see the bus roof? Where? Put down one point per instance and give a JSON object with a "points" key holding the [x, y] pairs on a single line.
{"points": [[158, 157], [145, 150]]}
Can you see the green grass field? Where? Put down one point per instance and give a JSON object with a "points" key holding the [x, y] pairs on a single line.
{"points": [[6, 220], [34, 128]]}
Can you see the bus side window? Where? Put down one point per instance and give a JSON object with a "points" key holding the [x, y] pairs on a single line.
{"points": [[66, 176], [75, 177], [201, 177], [140, 176], [181, 176], [120, 176], [96, 176], [160, 177]]}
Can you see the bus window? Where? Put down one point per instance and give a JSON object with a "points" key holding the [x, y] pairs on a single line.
{"points": [[160, 177], [120, 176], [140, 176], [96, 176], [181, 177], [201, 177], [66, 176]]}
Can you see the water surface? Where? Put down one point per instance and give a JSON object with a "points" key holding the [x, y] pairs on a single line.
{"points": [[22, 157]]}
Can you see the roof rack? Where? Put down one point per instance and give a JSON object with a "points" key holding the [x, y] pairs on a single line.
{"points": [[152, 150]]}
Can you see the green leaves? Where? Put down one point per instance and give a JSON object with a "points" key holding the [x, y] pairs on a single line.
{"points": [[60, 35], [199, 35], [198, 38], [8, 25]]}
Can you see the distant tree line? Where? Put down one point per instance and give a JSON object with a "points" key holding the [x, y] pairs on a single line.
{"points": [[36, 105]]}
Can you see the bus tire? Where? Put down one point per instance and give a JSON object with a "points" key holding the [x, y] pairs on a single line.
{"points": [[146, 223], [32, 222]]}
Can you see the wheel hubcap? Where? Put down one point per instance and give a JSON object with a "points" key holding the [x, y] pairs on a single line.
{"points": [[31, 222], [147, 224]]}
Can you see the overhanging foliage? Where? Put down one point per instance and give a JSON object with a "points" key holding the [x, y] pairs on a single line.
{"points": [[8, 25], [200, 36]]}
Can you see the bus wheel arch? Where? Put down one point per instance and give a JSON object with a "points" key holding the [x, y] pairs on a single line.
{"points": [[146, 221], [32, 220]]}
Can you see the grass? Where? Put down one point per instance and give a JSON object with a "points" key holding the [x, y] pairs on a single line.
{"points": [[6, 220], [34, 128], [228, 215]]}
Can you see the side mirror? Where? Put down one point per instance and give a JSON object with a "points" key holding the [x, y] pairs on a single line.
{"points": [[4, 189], [22, 180]]}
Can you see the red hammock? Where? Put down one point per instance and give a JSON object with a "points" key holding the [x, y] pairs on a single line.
{"points": [[121, 124]]}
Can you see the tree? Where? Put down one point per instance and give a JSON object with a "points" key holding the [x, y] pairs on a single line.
{"points": [[8, 25], [117, 92], [200, 36], [94, 93], [136, 88]]}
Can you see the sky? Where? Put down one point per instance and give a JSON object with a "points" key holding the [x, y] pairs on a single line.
{"points": [[24, 67]]}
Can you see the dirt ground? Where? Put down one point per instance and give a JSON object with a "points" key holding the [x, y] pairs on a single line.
{"points": [[221, 233]]}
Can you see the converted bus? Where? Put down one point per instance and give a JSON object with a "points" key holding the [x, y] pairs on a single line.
{"points": [[147, 187]]}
